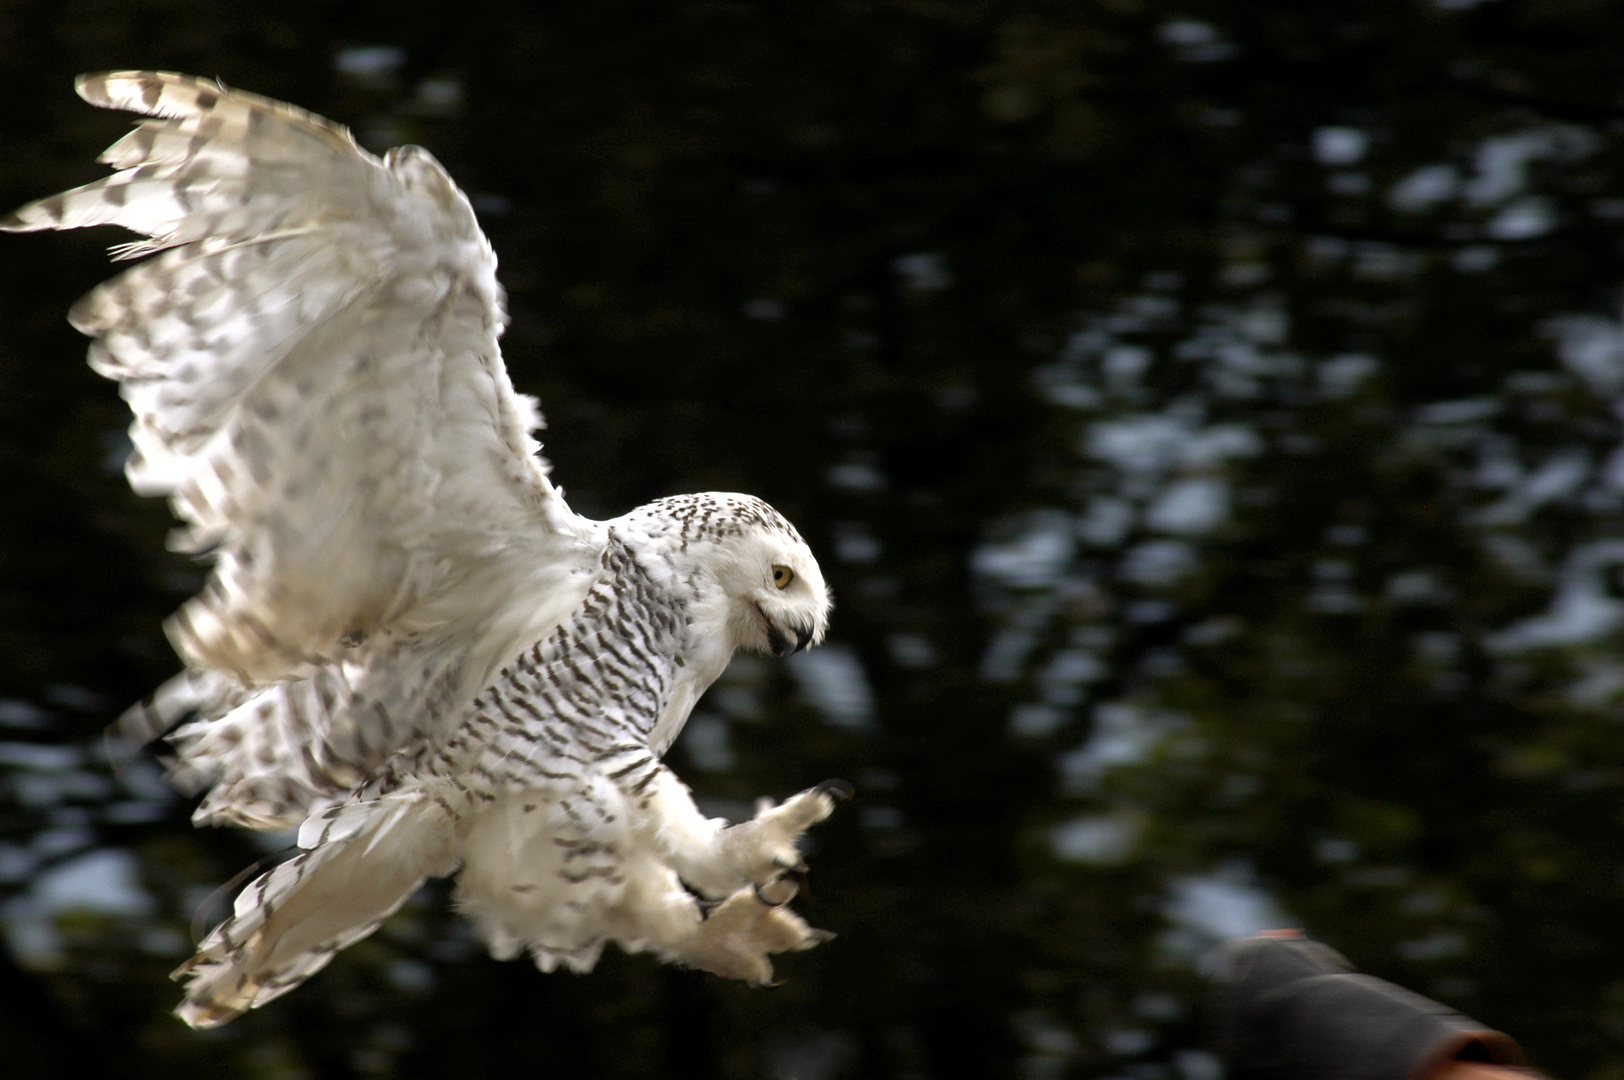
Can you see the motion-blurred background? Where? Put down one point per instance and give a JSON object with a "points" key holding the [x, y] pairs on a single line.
{"points": [[1209, 417]]}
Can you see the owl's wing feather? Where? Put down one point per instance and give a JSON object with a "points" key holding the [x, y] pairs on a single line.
{"points": [[313, 366]]}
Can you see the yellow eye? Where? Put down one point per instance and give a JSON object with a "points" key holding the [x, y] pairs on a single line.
{"points": [[782, 576]]}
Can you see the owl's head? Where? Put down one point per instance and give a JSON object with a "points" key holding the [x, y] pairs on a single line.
{"points": [[778, 602], [773, 591]]}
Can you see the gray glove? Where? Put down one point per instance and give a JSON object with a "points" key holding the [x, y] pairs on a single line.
{"points": [[1286, 1008]]}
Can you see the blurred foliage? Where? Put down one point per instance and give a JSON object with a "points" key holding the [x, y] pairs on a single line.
{"points": [[1206, 413]]}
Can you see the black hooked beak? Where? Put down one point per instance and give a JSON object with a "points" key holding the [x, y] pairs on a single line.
{"points": [[779, 644]]}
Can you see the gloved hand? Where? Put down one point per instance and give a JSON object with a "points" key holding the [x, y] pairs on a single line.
{"points": [[1286, 1008]]}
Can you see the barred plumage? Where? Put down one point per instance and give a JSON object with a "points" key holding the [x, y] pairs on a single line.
{"points": [[409, 642]]}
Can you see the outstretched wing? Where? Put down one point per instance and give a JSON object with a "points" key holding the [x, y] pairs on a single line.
{"points": [[313, 366]]}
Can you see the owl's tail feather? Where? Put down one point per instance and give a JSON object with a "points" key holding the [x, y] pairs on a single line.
{"points": [[363, 861]]}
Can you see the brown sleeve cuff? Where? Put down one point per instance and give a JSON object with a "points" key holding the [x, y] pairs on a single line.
{"points": [[1489, 1047]]}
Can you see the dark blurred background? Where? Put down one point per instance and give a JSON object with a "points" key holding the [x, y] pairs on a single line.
{"points": [[1209, 415]]}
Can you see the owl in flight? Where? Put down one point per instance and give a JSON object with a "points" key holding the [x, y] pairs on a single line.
{"points": [[409, 645]]}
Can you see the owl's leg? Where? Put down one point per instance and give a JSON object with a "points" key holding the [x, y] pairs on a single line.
{"points": [[733, 938], [763, 849], [737, 936], [717, 858]]}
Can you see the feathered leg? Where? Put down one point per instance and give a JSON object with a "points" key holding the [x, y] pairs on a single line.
{"points": [[753, 868], [716, 858], [732, 939], [364, 860]]}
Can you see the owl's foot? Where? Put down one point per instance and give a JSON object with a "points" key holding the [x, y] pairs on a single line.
{"points": [[763, 850], [738, 934]]}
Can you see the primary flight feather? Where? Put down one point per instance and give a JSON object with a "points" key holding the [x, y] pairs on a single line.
{"points": [[408, 642]]}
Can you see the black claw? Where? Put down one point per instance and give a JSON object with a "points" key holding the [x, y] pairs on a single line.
{"points": [[706, 907], [838, 789], [797, 875]]}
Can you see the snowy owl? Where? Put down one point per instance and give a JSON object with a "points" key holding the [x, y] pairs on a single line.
{"points": [[409, 645]]}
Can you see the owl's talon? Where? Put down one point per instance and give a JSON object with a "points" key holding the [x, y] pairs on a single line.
{"points": [[799, 876], [838, 789], [762, 896]]}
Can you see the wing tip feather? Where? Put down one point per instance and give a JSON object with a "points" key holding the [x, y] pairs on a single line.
{"points": [[41, 214], [100, 88], [92, 86], [156, 93], [87, 317]]}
